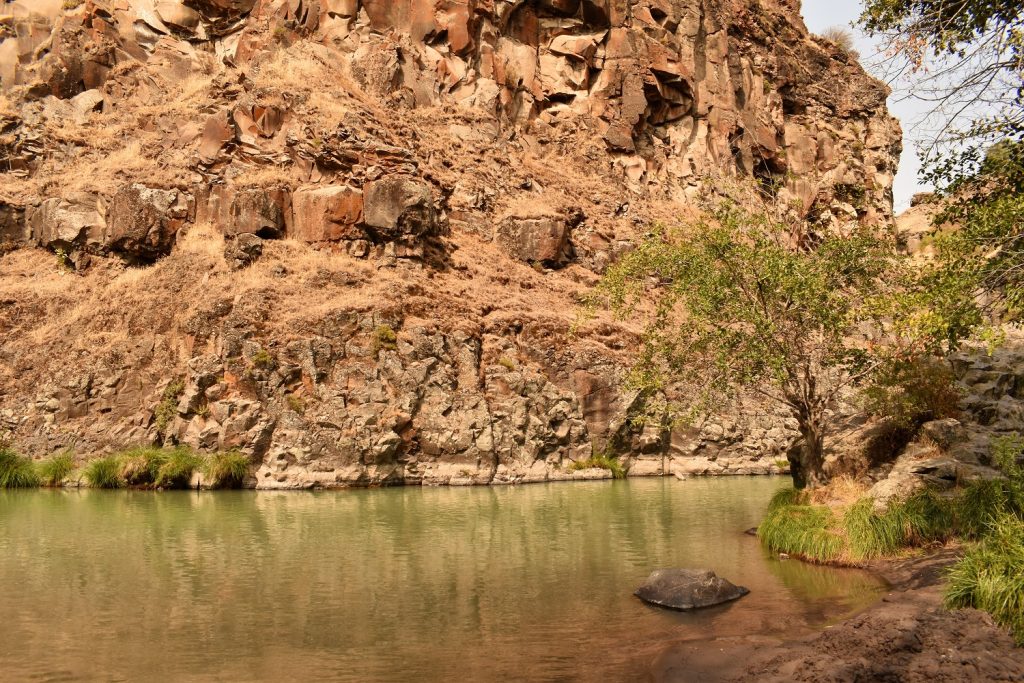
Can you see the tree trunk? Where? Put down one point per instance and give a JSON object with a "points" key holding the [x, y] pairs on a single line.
{"points": [[807, 456]]}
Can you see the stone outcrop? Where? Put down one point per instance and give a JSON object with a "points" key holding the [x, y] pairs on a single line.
{"points": [[688, 589], [408, 200]]}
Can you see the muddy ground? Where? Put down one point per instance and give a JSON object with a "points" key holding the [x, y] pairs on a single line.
{"points": [[907, 637]]}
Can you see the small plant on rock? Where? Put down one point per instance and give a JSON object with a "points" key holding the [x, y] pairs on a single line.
{"points": [[263, 360], [603, 461], [384, 338], [507, 363], [168, 406], [296, 404]]}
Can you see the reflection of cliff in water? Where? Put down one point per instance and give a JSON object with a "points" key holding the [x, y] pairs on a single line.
{"points": [[525, 583]]}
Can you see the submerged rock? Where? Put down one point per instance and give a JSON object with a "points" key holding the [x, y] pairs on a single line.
{"points": [[686, 589]]}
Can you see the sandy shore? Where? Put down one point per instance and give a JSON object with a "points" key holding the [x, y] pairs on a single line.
{"points": [[906, 637]]}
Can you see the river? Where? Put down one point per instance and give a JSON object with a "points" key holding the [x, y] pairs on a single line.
{"points": [[428, 584]]}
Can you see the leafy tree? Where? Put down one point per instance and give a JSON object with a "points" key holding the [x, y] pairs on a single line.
{"points": [[732, 304], [967, 57]]}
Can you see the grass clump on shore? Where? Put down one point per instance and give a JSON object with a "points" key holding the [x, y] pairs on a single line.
{"points": [[988, 514], [176, 468], [801, 530], [104, 473], [990, 576], [55, 470], [601, 461], [16, 472], [226, 469]]}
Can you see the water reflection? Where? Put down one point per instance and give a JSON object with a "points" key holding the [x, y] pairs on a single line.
{"points": [[528, 583]]}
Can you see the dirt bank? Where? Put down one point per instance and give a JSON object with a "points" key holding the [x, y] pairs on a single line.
{"points": [[907, 637]]}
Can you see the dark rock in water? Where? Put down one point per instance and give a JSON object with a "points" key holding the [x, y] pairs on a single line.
{"points": [[686, 589], [752, 531]]}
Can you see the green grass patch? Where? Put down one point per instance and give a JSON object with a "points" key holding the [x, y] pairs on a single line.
{"points": [[787, 496], [990, 576], [803, 531], [16, 472], [176, 469], [603, 462], [226, 469], [55, 470], [104, 473]]}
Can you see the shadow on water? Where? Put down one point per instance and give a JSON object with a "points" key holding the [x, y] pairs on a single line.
{"points": [[526, 583]]}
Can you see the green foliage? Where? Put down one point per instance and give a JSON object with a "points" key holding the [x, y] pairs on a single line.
{"points": [[740, 304], [226, 469], [991, 575], [604, 461], [175, 471], [384, 338], [911, 392], [968, 59], [802, 531], [263, 360], [55, 470], [507, 363], [786, 497], [141, 466], [104, 473], [72, 4], [296, 404], [168, 406], [16, 472], [64, 264]]}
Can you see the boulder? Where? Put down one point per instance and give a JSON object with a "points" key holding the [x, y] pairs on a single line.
{"points": [[944, 433], [143, 222], [249, 210], [396, 208], [12, 226], [687, 589], [243, 250], [541, 240], [327, 214], [73, 223]]}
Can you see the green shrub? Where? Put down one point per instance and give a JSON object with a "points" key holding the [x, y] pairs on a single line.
{"points": [[16, 472], [913, 392], [104, 473], [175, 472], [991, 576], [72, 4], [168, 406], [226, 469], [296, 404], [801, 530], [384, 337], [55, 470], [263, 360], [602, 461], [507, 363], [141, 466]]}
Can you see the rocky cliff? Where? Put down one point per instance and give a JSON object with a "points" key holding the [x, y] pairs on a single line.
{"points": [[350, 236]]}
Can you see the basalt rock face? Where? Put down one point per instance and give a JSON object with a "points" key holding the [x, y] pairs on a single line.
{"points": [[356, 233]]}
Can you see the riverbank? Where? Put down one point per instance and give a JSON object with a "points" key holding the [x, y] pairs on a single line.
{"points": [[908, 636]]}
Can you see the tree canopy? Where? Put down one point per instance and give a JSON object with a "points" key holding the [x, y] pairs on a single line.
{"points": [[737, 306]]}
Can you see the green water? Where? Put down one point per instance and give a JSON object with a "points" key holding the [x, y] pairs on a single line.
{"points": [[515, 583]]}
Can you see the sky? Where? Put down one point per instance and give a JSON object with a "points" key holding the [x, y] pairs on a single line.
{"points": [[821, 14]]}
